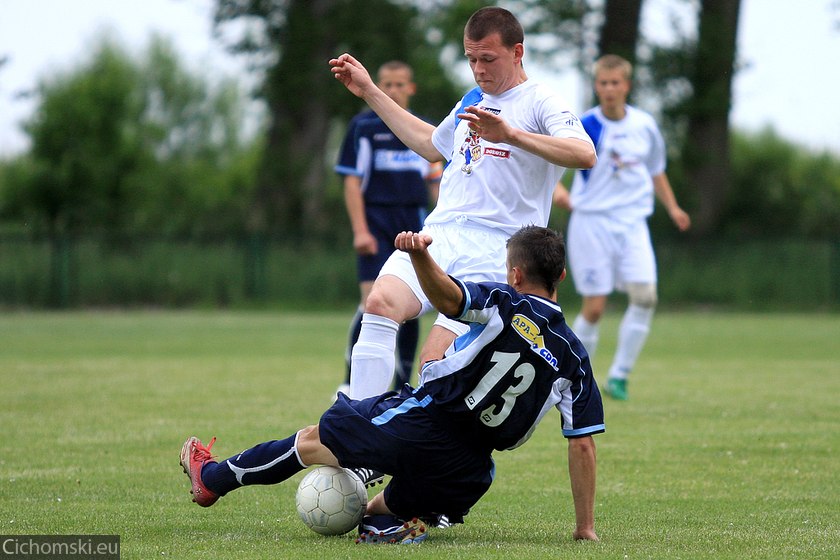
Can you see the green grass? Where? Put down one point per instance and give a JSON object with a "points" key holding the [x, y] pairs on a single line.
{"points": [[728, 447]]}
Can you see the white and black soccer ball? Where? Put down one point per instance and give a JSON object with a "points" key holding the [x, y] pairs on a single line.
{"points": [[331, 500]]}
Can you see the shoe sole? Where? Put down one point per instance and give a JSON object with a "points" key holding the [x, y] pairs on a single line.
{"points": [[413, 532]]}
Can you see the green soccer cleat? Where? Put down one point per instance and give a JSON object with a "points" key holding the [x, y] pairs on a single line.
{"points": [[617, 389]]}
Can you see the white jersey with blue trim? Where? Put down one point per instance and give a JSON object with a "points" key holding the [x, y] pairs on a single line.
{"points": [[498, 185], [631, 152], [518, 360]]}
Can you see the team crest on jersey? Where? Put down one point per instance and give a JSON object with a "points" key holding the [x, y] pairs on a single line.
{"points": [[471, 150], [474, 152], [529, 330]]}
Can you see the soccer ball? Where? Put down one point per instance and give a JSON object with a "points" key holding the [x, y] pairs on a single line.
{"points": [[330, 500]]}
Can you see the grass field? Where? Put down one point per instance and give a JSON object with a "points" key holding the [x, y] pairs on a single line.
{"points": [[728, 448]]}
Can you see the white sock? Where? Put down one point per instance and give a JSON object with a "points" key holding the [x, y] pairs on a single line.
{"points": [[588, 334], [632, 334], [372, 362]]}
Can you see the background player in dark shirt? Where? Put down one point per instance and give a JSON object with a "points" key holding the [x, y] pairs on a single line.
{"points": [[387, 189]]}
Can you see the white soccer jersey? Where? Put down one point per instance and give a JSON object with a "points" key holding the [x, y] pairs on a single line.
{"points": [[498, 185], [630, 153]]}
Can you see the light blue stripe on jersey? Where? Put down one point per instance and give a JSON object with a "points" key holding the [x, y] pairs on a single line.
{"points": [[473, 97], [344, 170], [466, 339], [594, 128], [583, 431], [407, 405]]}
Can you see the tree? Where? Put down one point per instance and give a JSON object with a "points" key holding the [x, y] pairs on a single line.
{"points": [[292, 40], [706, 152], [120, 144], [620, 32]]}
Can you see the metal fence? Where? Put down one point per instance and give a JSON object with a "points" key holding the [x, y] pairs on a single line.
{"points": [[101, 271]]}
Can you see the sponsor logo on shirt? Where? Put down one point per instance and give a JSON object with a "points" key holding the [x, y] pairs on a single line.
{"points": [[497, 152], [399, 160], [572, 120], [529, 330], [383, 136]]}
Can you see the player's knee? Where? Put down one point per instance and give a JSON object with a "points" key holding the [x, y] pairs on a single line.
{"points": [[393, 300], [642, 295], [380, 303]]}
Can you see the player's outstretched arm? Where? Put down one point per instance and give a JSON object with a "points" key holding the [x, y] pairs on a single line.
{"points": [[413, 131], [441, 290], [582, 477]]}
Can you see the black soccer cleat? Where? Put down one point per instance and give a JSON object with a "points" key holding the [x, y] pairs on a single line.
{"points": [[369, 477]]}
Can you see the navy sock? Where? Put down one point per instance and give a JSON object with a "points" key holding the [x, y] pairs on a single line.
{"points": [[407, 339], [267, 463]]}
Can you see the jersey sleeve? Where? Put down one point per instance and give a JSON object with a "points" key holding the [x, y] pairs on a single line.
{"points": [[348, 155], [480, 299], [558, 120], [657, 158]]}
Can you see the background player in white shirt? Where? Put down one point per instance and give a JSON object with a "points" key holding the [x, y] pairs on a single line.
{"points": [[608, 237], [507, 143]]}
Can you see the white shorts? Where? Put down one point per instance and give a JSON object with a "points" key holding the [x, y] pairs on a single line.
{"points": [[463, 249], [605, 255]]}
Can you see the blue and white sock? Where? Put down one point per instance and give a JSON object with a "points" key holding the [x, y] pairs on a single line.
{"points": [[267, 463]]}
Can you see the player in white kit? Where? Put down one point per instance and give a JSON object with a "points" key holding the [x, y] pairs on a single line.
{"points": [[507, 143], [608, 237]]}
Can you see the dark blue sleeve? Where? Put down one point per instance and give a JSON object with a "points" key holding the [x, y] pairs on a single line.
{"points": [[348, 153]]}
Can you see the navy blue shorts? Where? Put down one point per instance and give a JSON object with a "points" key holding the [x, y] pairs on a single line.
{"points": [[384, 223], [432, 471]]}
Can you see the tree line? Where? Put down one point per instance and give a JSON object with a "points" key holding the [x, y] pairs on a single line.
{"points": [[124, 144]]}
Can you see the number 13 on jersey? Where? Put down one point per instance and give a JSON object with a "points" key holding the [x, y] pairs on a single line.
{"points": [[523, 377]]}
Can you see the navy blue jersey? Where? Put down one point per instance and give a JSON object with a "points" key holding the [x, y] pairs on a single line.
{"points": [[392, 174], [518, 360]]}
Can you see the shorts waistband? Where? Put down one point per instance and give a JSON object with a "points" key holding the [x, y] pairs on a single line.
{"points": [[463, 221]]}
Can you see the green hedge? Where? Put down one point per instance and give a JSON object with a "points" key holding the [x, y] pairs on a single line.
{"points": [[98, 272]]}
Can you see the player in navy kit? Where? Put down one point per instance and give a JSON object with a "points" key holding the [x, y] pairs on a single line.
{"points": [[495, 383], [387, 189]]}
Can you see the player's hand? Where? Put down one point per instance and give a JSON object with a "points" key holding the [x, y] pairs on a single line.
{"points": [[488, 125], [365, 244], [680, 218], [352, 74], [561, 197], [411, 242]]}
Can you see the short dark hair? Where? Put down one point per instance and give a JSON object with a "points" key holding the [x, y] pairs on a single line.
{"points": [[540, 253], [489, 20]]}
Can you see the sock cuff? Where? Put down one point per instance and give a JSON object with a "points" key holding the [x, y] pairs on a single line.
{"points": [[297, 453], [378, 321]]}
